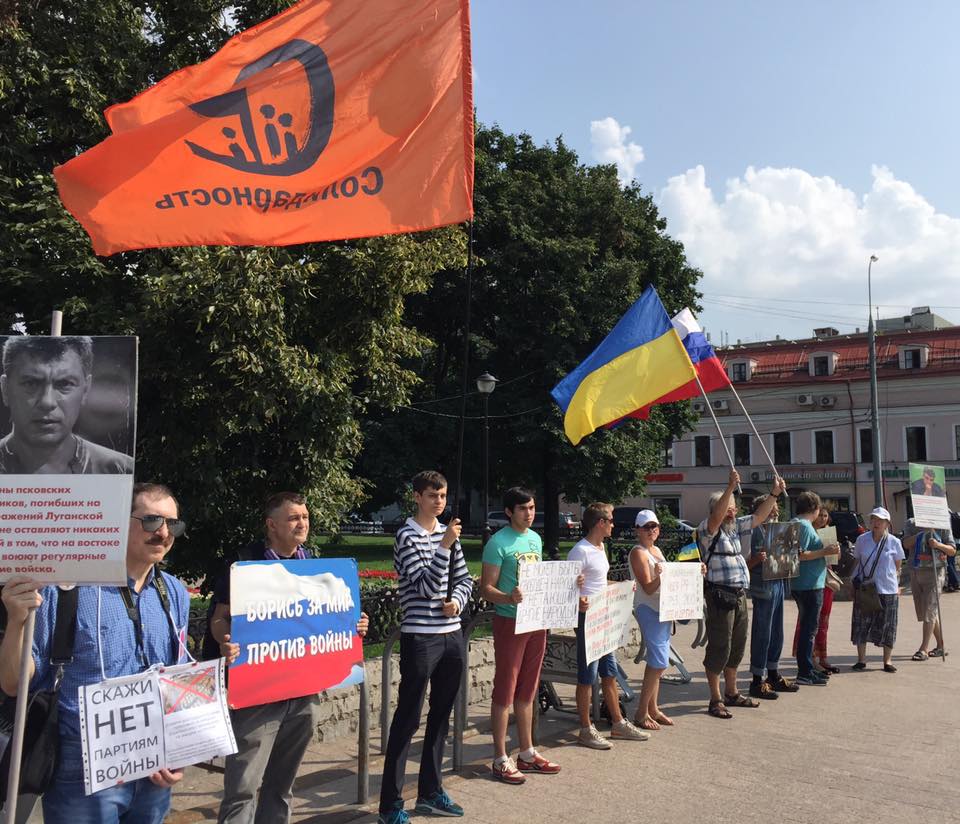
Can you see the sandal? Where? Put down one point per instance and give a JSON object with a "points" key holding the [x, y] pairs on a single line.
{"points": [[647, 723], [920, 655], [718, 709], [860, 666], [889, 668], [830, 668], [938, 652], [740, 700], [665, 720]]}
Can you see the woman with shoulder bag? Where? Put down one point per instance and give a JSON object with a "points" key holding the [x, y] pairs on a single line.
{"points": [[876, 582]]}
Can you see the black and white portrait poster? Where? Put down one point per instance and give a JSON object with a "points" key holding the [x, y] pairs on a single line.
{"points": [[68, 408]]}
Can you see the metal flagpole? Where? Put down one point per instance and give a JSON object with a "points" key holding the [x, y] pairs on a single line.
{"points": [[458, 478], [754, 428], [716, 423], [23, 685]]}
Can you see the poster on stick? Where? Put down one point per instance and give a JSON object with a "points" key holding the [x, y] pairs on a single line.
{"points": [[296, 625], [928, 494], [828, 537], [164, 718], [681, 592], [608, 620], [550, 595], [782, 545], [67, 434]]}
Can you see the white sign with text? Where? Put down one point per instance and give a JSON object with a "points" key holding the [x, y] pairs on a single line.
{"points": [[550, 595]]}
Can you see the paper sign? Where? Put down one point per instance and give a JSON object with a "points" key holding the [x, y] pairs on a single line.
{"points": [[296, 624], [168, 717], [782, 545], [681, 592], [550, 595], [608, 620], [67, 432], [928, 496], [828, 536]]}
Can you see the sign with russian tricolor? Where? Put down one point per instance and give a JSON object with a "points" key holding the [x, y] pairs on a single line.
{"points": [[296, 625]]}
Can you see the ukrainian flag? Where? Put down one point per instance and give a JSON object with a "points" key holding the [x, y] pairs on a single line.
{"points": [[690, 552], [641, 360]]}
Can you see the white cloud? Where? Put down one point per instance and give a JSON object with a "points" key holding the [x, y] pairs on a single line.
{"points": [[610, 143], [782, 233]]}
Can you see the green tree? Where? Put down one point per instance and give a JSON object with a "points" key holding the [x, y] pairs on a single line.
{"points": [[562, 251], [255, 364]]}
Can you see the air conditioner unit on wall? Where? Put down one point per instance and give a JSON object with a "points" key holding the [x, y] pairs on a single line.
{"points": [[720, 406], [805, 400], [828, 401], [699, 407], [754, 476]]}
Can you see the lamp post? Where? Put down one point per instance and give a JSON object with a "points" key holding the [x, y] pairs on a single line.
{"points": [[486, 383], [874, 405]]}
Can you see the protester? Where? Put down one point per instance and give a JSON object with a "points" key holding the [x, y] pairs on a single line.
{"points": [[646, 567], [431, 648], [108, 644], [517, 657], [925, 581], [878, 556], [766, 630], [271, 738], [808, 587], [589, 551], [719, 538], [45, 385]]}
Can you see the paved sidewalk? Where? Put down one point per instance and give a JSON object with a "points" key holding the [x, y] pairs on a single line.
{"points": [[870, 746]]}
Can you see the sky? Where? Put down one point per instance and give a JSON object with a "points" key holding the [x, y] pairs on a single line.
{"points": [[783, 142]]}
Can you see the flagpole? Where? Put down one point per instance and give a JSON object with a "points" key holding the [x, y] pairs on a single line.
{"points": [[716, 423], [754, 428], [458, 477]]}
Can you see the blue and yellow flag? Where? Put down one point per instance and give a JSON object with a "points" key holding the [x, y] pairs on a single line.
{"points": [[641, 360], [690, 552]]}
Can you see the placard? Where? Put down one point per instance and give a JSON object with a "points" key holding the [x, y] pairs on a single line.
{"points": [[681, 592], [169, 717], [782, 545], [608, 620], [928, 494], [550, 595], [296, 624], [67, 435], [828, 537]]}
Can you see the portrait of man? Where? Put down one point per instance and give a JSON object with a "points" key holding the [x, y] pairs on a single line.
{"points": [[46, 387], [928, 483]]}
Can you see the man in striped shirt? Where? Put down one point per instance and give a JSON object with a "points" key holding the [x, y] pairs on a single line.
{"points": [[431, 648]]}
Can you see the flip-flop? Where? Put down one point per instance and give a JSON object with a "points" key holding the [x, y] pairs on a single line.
{"points": [[718, 710], [919, 655], [660, 718], [740, 700], [648, 724]]}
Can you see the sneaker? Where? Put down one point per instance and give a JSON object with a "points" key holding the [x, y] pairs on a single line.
{"points": [[628, 732], [397, 815], [538, 764], [763, 690], [810, 680], [439, 804], [783, 685], [507, 772], [590, 737]]}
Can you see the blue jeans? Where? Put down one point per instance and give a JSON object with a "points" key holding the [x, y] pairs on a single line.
{"points": [[766, 632], [953, 580], [809, 602], [139, 802], [605, 666]]}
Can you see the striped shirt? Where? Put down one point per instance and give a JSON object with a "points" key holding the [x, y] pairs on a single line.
{"points": [[422, 565]]}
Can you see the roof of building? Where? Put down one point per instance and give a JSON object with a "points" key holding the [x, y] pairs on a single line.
{"points": [[789, 360]]}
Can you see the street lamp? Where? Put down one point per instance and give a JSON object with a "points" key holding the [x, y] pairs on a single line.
{"points": [[874, 405], [486, 383]]}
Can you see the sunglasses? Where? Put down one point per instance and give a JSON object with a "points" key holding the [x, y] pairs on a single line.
{"points": [[650, 526], [152, 523]]}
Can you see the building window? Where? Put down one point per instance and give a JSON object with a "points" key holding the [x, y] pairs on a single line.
{"points": [[823, 446], [668, 452], [701, 450], [866, 446], [821, 366], [911, 358], [782, 453], [671, 505], [741, 450], [916, 443], [738, 371]]}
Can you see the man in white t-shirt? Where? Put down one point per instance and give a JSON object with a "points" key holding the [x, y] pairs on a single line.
{"points": [[589, 551]]}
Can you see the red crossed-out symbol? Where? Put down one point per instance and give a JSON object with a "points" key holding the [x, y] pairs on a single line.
{"points": [[186, 689]]}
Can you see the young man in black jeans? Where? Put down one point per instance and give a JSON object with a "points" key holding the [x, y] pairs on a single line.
{"points": [[431, 648]]}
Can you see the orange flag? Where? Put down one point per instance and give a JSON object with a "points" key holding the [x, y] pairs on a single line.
{"points": [[332, 120]]}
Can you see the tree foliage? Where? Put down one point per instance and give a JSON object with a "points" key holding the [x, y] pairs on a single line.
{"points": [[255, 364]]}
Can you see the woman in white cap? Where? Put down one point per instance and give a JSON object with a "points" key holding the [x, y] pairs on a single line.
{"points": [[878, 556]]}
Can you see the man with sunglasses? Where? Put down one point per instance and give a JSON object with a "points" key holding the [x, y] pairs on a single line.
{"points": [[271, 738], [120, 631]]}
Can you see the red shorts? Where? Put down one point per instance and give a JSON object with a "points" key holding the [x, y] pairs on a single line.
{"points": [[518, 660]]}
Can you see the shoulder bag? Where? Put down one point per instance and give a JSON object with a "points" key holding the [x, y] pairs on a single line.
{"points": [[868, 599]]}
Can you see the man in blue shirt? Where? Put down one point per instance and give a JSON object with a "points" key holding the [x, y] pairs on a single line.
{"points": [[108, 644]]}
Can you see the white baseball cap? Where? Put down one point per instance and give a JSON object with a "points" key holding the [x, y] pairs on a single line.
{"points": [[646, 516], [880, 512]]}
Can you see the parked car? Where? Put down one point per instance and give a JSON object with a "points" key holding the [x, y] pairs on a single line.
{"points": [[568, 521], [624, 517], [848, 526], [497, 519]]}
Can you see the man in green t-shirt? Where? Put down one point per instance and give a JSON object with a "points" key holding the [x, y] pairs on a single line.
{"points": [[518, 657]]}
